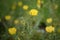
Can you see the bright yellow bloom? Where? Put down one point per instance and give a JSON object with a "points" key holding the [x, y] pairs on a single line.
{"points": [[8, 17], [49, 20], [50, 29], [20, 3], [33, 12], [16, 21], [25, 7], [12, 30]]}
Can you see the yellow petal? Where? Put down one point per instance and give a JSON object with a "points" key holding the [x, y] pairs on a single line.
{"points": [[50, 29], [20, 3], [25, 7], [8, 17], [33, 12], [12, 31], [16, 21], [49, 20]]}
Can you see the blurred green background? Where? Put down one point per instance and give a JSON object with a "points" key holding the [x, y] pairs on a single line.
{"points": [[27, 26]]}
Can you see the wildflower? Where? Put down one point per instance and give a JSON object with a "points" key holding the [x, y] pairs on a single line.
{"points": [[49, 29], [20, 3], [12, 30], [38, 3], [8, 17], [16, 21], [33, 12], [49, 20], [25, 7]]}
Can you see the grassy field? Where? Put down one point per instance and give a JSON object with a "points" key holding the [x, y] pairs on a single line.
{"points": [[29, 19]]}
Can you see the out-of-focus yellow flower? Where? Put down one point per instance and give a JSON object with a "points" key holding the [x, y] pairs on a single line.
{"points": [[25, 7], [13, 6], [12, 31], [20, 3], [8, 17], [33, 12], [49, 20], [16, 21], [38, 3], [49, 29]]}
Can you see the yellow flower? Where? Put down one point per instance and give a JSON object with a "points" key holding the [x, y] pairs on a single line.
{"points": [[38, 6], [16, 21], [25, 7], [38, 3], [49, 20], [33, 12], [8, 17], [49, 29], [20, 3], [12, 30]]}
